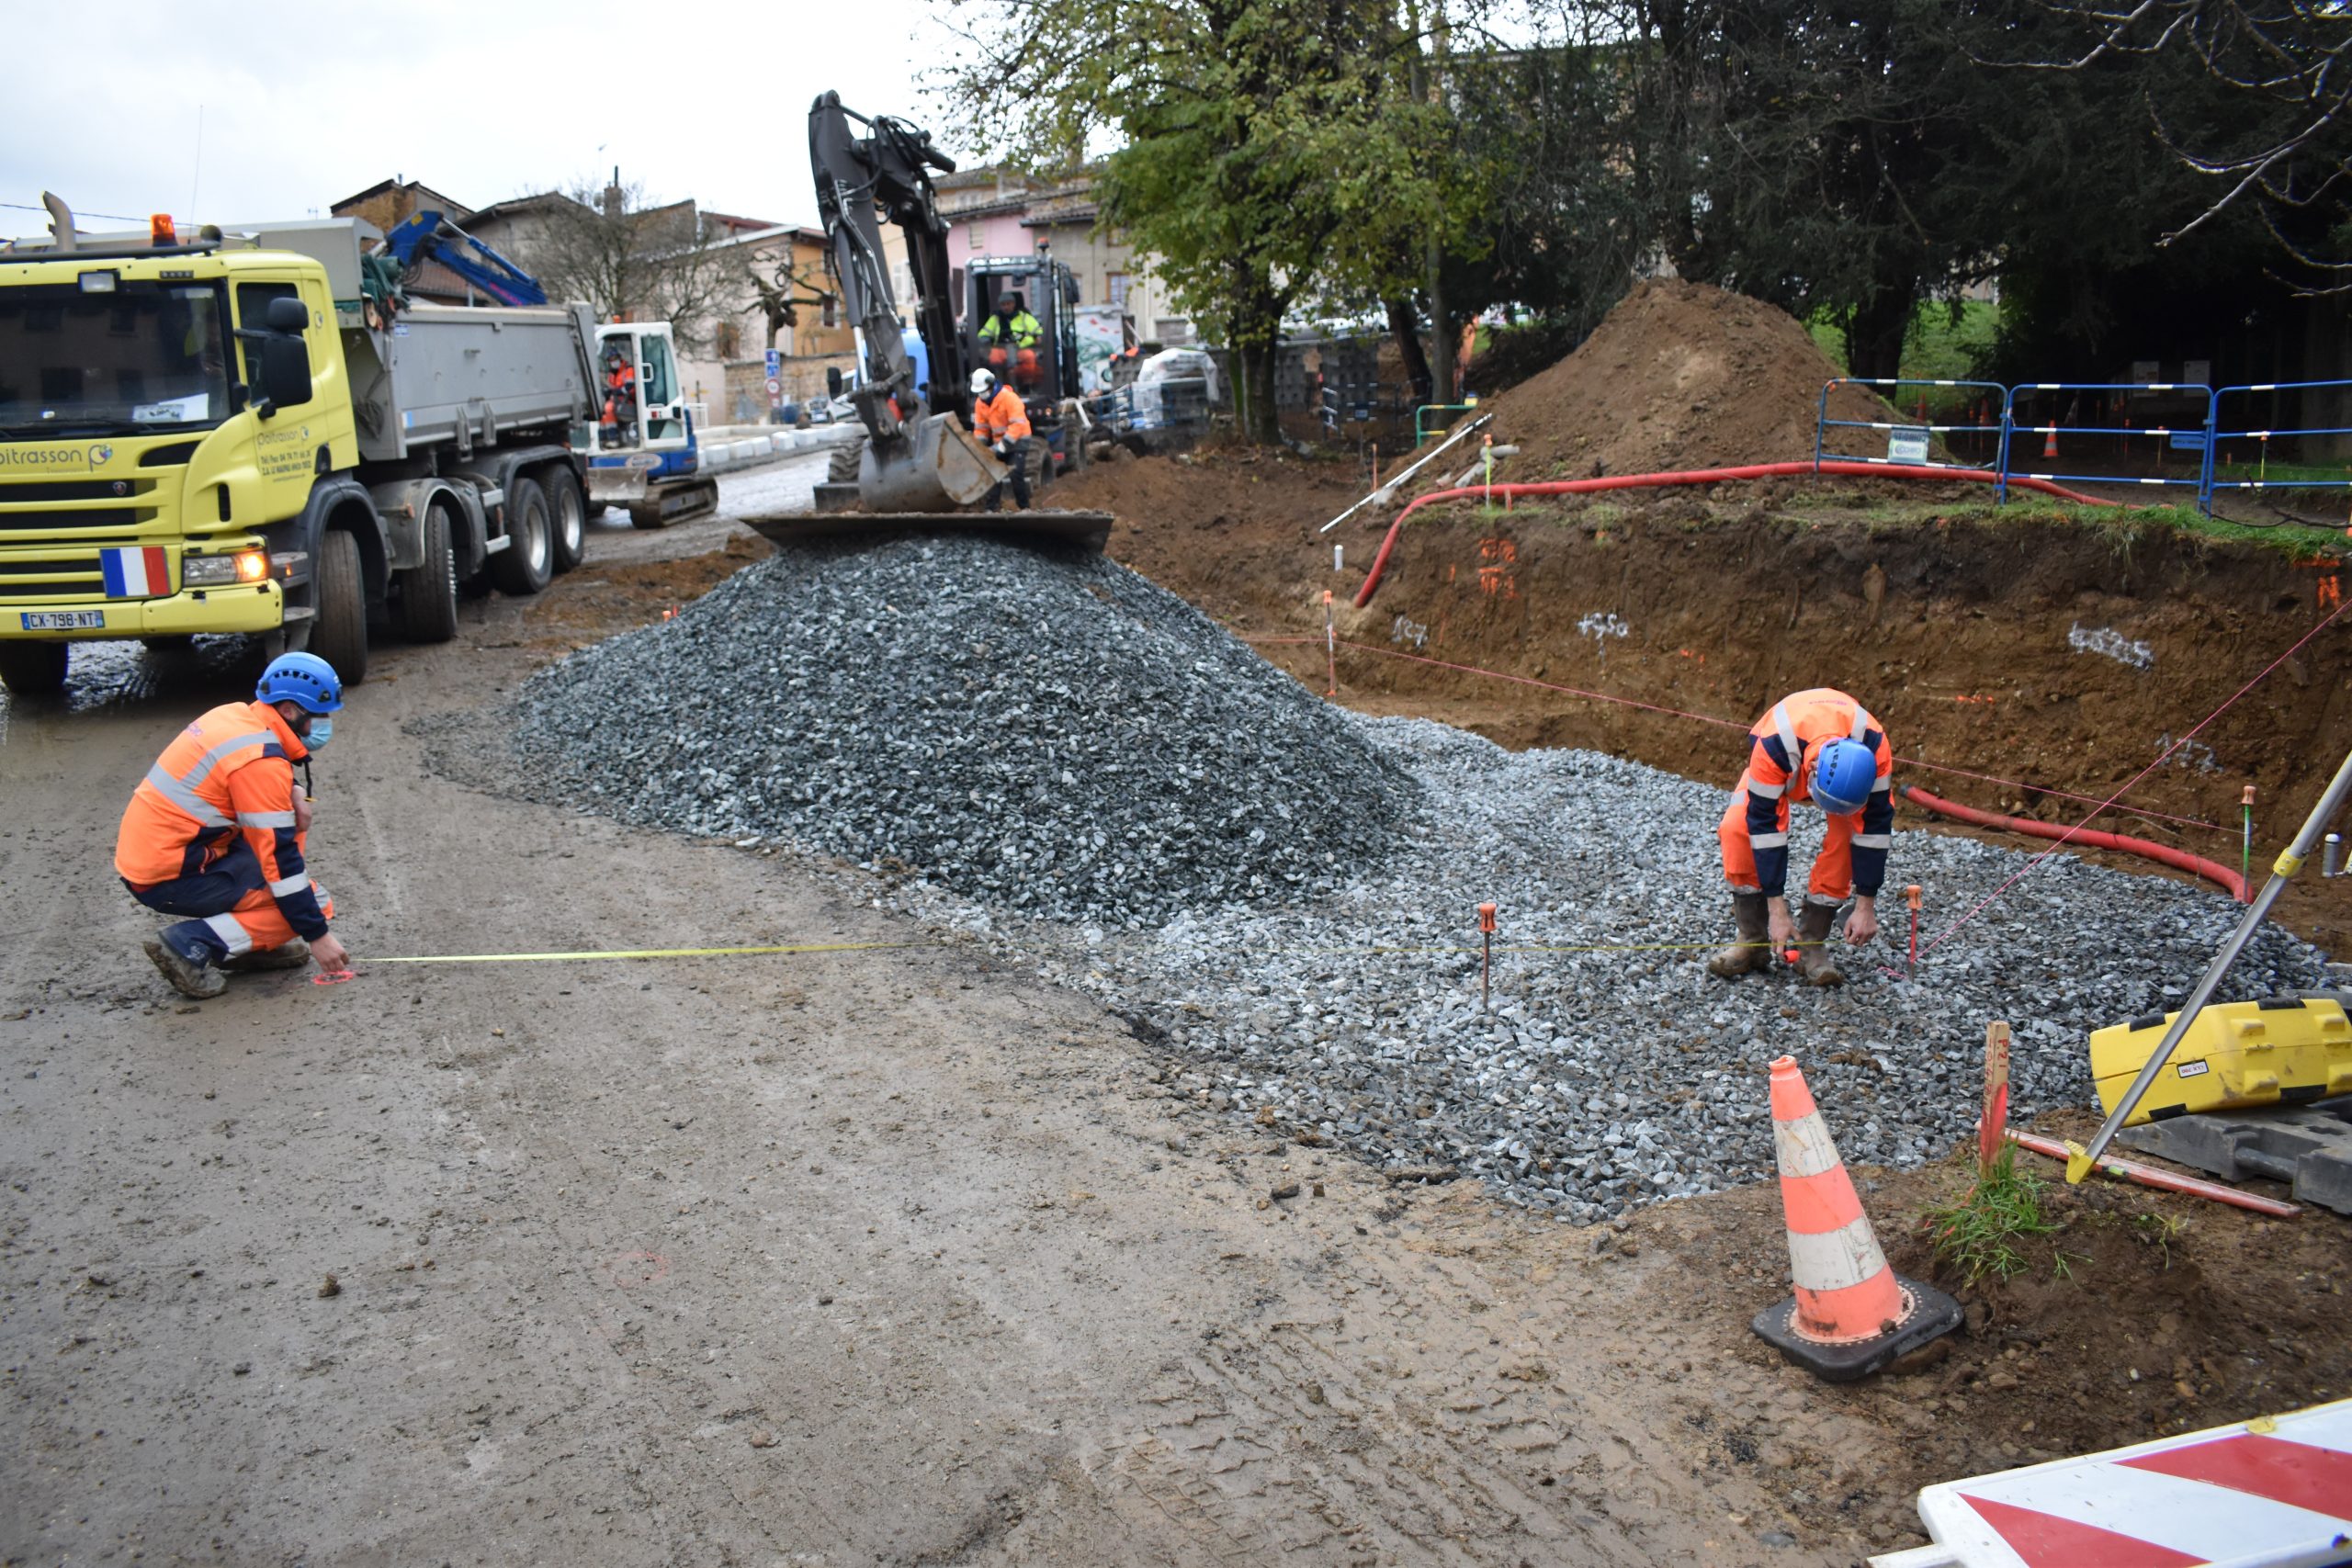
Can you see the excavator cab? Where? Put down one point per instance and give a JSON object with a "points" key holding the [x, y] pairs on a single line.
{"points": [[646, 459], [1046, 373]]}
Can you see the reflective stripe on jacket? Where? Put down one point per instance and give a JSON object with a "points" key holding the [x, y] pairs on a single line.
{"points": [[232, 772], [1001, 418], [1782, 746]]}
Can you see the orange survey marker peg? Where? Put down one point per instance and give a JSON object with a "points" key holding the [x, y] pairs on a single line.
{"points": [[1486, 949], [1330, 647], [1911, 901], [1995, 1120], [1850, 1314]]}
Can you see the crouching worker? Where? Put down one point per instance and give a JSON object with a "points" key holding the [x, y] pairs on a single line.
{"points": [[215, 831], [1819, 746]]}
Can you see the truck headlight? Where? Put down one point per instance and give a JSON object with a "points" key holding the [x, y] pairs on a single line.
{"points": [[221, 572]]}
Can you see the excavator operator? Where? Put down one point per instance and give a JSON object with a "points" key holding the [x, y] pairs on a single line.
{"points": [[1002, 424], [1014, 329], [620, 398]]}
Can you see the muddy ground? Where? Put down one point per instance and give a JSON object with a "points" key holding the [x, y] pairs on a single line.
{"points": [[886, 1254]]}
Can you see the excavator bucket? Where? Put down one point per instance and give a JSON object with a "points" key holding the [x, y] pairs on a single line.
{"points": [[938, 468]]}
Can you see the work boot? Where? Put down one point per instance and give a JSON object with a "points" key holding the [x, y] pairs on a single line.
{"points": [[189, 975], [1752, 953], [1814, 966], [291, 953]]}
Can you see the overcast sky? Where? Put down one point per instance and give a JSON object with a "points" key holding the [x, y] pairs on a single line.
{"points": [[304, 104]]}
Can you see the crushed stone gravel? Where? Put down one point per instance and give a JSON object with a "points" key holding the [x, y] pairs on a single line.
{"points": [[1055, 757]]}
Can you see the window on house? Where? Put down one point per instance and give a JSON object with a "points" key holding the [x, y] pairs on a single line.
{"points": [[973, 230], [731, 341], [832, 310], [1115, 284]]}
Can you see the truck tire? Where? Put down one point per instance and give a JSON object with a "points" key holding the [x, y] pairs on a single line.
{"points": [[34, 669], [567, 516], [429, 591], [523, 568], [339, 630]]}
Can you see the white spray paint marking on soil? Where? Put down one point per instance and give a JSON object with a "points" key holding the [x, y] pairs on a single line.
{"points": [[1410, 631], [2113, 644]]}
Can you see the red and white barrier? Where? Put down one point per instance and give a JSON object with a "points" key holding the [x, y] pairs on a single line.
{"points": [[2275, 1493]]}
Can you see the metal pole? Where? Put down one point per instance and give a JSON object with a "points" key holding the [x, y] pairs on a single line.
{"points": [[1464, 429], [2079, 1162]]}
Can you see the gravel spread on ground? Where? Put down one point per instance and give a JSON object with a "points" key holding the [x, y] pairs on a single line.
{"points": [[1054, 756]]}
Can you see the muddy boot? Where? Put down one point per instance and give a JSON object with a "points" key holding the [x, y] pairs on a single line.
{"points": [[1752, 953], [290, 954], [1814, 966], [190, 975]]}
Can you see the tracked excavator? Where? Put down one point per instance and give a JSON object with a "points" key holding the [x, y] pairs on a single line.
{"points": [[919, 467]]}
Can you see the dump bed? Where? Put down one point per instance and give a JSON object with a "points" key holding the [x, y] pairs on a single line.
{"points": [[468, 375]]}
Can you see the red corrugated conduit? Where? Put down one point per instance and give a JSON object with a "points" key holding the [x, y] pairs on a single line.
{"points": [[2181, 859], [1702, 477]]}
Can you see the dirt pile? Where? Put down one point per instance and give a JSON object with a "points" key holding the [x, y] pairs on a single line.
{"points": [[1682, 376]]}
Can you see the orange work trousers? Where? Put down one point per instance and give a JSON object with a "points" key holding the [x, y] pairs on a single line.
{"points": [[1833, 873]]}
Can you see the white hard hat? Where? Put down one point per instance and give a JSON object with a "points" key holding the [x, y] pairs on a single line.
{"points": [[983, 382]]}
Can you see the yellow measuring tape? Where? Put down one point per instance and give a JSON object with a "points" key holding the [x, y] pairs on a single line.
{"points": [[655, 952], [886, 946]]}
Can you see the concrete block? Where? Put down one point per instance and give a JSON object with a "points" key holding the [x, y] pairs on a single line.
{"points": [[2307, 1146]]}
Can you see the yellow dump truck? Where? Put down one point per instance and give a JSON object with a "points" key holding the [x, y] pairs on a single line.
{"points": [[246, 432]]}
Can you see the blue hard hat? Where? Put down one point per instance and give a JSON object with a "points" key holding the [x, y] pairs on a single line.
{"points": [[302, 678], [1843, 772]]}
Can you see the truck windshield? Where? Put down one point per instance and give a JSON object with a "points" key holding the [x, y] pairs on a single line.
{"points": [[138, 356]]}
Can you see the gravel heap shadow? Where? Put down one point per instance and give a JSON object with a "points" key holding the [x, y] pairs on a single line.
{"points": [[1043, 731]]}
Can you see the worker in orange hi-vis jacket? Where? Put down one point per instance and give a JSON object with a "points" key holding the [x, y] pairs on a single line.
{"points": [[1824, 747], [216, 831], [1001, 422]]}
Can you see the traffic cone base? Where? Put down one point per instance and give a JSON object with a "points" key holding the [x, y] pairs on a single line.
{"points": [[1850, 1314]]}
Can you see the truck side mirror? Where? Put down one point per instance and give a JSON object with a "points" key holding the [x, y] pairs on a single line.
{"points": [[285, 370], [833, 380], [1069, 287]]}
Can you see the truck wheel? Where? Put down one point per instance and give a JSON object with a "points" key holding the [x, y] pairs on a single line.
{"points": [[33, 669], [567, 515], [429, 591], [523, 566], [339, 631]]}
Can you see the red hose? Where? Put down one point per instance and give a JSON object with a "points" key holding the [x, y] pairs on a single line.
{"points": [[1702, 477], [2180, 859]]}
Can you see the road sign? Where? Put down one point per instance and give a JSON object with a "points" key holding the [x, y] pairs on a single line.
{"points": [[775, 368], [2272, 1493], [775, 388]]}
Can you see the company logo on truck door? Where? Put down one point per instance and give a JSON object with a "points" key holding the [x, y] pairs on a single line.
{"points": [[285, 454], [56, 457]]}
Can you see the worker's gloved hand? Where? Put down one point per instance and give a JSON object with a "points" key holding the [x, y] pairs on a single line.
{"points": [[328, 954], [1862, 924], [1783, 929], [1004, 448]]}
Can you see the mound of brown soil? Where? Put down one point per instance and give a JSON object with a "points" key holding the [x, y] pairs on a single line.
{"points": [[1682, 376]]}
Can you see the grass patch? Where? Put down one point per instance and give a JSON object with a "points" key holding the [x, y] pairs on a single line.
{"points": [[1979, 1234]]}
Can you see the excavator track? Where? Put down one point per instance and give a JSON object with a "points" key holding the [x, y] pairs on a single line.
{"points": [[675, 504]]}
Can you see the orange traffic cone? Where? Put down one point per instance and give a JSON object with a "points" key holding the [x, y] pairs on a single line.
{"points": [[2050, 441], [1851, 1315]]}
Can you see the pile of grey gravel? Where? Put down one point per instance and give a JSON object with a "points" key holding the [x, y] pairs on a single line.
{"points": [[1057, 756], [1603, 1079], [1040, 730]]}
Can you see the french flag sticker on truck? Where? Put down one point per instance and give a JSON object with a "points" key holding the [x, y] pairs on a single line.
{"points": [[135, 574]]}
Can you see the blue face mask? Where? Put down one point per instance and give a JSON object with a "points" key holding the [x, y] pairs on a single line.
{"points": [[321, 731]]}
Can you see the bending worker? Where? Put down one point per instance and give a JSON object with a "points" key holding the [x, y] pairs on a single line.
{"points": [[1013, 325], [215, 831], [1001, 422], [1824, 747]]}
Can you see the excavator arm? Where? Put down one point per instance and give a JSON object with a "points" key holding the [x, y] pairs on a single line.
{"points": [[869, 170]]}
